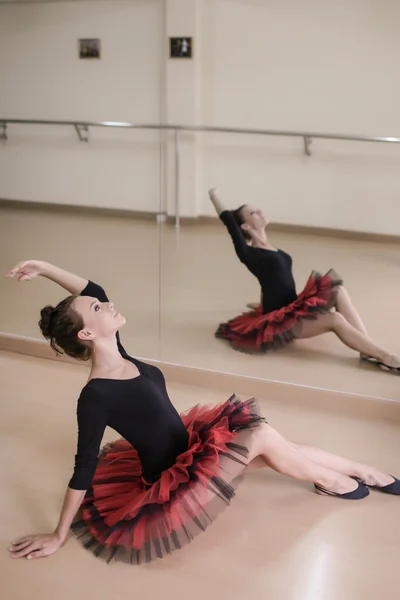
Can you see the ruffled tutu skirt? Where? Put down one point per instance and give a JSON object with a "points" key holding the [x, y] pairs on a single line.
{"points": [[255, 332], [123, 517]]}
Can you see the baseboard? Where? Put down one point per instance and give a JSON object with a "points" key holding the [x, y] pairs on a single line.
{"points": [[344, 234], [289, 393], [78, 209], [198, 220]]}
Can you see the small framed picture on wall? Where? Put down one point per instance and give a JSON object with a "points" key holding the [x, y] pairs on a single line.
{"points": [[180, 47], [89, 48]]}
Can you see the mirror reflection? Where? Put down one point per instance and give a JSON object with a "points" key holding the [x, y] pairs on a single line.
{"points": [[243, 296]]}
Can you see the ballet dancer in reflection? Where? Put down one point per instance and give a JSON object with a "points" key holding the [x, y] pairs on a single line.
{"points": [[283, 315], [167, 479]]}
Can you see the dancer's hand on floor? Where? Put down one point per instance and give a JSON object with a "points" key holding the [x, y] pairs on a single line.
{"points": [[36, 546], [253, 305], [26, 270]]}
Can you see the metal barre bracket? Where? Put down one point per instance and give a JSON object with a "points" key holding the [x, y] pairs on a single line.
{"points": [[307, 145], [82, 131], [3, 130]]}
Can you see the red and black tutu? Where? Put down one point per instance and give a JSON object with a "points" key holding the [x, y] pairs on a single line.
{"points": [[123, 517], [256, 332]]}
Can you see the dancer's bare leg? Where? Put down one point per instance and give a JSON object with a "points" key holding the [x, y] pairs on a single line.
{"points": [[285, 458], [345, 307], [349, 335], [367, 474]]}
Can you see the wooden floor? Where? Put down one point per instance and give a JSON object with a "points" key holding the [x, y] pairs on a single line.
{"points": [[278, 540], [174, 289]]}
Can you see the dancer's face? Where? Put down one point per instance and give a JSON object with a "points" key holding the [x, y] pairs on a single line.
{"points": [[100, 318], [253, 217]]}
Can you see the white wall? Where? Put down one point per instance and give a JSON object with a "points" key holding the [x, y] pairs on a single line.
{"points": [[309, 65], [41, 77]]}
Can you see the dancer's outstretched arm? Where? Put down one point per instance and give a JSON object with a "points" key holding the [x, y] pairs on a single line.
{"points": [[29, 269], [38, 546], [226, 216], [216, 200]]}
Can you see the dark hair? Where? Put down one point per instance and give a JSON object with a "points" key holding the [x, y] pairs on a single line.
{"points": [[61, 325], [237, 214]]}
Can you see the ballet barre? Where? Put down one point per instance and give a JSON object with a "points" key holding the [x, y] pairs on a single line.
{"points": [[82, 131]]}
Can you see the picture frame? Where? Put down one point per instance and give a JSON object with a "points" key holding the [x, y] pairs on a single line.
{"points": [[89, 48], [181, 47]]}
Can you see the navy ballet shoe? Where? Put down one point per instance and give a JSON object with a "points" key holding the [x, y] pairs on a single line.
{"points": [[358, 494], [369, 359], [379, 364], [391, 488], [385, 367]]}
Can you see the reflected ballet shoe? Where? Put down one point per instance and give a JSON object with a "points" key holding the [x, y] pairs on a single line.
{"points": [[358, 494], [388, 368], [383, 366], [367, 358]]}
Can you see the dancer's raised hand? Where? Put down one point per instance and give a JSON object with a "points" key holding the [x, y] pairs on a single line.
{"points": [[26, 270]]}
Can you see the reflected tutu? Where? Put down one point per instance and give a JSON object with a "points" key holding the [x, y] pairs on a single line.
{"points": [[123, 517], [256, 332]]}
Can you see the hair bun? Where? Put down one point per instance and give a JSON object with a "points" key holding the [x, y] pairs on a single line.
{"points": [[46, 322]]}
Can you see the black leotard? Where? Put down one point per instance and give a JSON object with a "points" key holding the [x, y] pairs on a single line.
{"points": [[139, 409], [273, 269]]}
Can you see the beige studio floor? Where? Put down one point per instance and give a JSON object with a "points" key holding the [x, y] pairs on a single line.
{"points": [[172, 313], [278, 540]]}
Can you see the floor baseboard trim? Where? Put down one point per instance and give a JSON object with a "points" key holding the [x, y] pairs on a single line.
{"points": [[290, 393], [79, 209], [199, 220]]}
